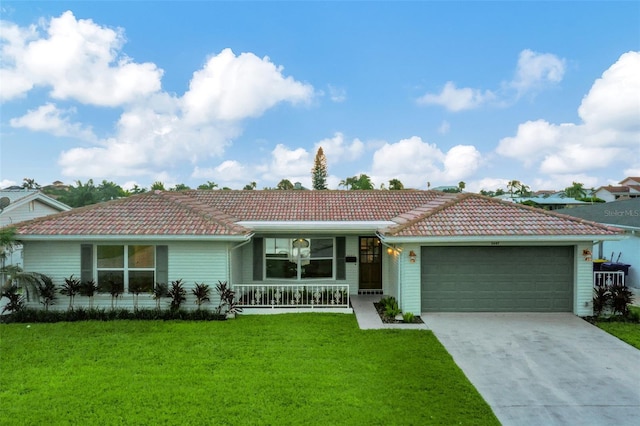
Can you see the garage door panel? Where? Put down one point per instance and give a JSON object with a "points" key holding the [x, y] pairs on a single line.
{"points": [[500, 279]]}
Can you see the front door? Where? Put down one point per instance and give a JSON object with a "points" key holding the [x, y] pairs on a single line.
{"points": [[370, 263]]}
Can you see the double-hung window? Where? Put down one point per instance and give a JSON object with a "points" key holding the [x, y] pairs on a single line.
{"points": [[299, 258], [128, 268]]}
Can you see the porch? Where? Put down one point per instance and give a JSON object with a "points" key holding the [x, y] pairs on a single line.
{"points": [[283, 298]]}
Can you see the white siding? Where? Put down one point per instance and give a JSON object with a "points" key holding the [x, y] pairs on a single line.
{"points": [[410, 280], [583, 284], [19, 213]]}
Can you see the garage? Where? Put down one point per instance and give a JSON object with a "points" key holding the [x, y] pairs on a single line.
{"points": [[497, 279]]}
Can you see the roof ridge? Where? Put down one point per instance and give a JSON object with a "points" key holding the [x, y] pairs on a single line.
{"points": [[448, 200], [189, 202]]}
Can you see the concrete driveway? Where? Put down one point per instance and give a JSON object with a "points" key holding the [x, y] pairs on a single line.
{"points": [[544, 369]]}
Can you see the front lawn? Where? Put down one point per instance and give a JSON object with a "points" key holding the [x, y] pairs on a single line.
{"points": [[626, 331], [282, 369]]}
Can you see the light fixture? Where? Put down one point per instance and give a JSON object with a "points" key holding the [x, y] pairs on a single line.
{"points": [[389, 251], [412, 256]]}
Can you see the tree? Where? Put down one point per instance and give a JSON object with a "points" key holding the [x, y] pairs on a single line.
{"points": [[208, 185], [28, 183], [136, 190], [576, 190], [110, 191], [250, 186], [180, 187], [361, 181], [461, 186], [81, 195], [157, 186], [285, 184], [319, 171], [512, 186], [395, 185], [518, 188]]}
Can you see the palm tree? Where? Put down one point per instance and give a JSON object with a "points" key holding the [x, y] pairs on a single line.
{"points": [[461, 186], [395, 185], [576, 190]]}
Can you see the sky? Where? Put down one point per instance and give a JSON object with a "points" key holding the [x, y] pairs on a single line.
{"points": [[431, 93]]}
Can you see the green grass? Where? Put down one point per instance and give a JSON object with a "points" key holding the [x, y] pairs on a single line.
{"points": [[283, 369], [626, 331]]}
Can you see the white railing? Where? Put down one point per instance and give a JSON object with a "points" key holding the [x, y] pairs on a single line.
{"points": [[292, 295], [608, 278]]}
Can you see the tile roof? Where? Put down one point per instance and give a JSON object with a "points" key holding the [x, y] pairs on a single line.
{"points": [[328, 205], [417, 213], [476, 215], [154, 213]]}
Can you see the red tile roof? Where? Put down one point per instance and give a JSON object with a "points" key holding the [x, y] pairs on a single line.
{"points": [[417, 213], [154, 213], [476, 215]]}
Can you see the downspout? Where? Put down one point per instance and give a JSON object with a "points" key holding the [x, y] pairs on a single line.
{"points": [[230, 251]]}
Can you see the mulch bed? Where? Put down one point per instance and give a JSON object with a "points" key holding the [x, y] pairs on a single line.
{"points": [[385, 319]]}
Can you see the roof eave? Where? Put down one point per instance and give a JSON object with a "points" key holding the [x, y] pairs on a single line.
{"points": [[130, 237], [312, 226], [489, 239]]}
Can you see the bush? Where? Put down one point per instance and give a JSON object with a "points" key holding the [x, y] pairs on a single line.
{"points": [[407, 317], [615, 297], [16, 300], [29, 315], [177, 293]]}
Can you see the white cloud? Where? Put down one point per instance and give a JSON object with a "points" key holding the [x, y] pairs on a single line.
{"points": [[533, 71], [536, 69], [77, 59], [609, 133], [48, 118], [231, 87], [337, 150], [455, 99], [5, 183], [415, 163], [337, 94], [614, 99], [488, 184], [558, 182]]}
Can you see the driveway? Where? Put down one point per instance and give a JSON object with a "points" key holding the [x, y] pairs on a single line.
{"points": [[544, 369]]}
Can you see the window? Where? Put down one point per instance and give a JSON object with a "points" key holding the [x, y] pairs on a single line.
{"points": [[135, 271], [299, 258]]}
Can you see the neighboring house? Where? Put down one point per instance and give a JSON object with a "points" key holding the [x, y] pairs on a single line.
{"points": [[21, 205], [624, 214], [628, 188], [550, 202], [432, 251]]}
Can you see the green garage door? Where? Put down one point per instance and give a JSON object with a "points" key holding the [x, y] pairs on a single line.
{"points": [[497, 279]]}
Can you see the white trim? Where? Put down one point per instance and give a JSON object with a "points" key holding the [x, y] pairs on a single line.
{"points": [[44, 199], [501, 239], [310, 226]]}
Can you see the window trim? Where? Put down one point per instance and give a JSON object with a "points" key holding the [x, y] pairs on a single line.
{"points": [[299, 277], [125, 266]]}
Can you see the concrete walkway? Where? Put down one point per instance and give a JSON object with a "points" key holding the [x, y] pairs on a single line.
{"points": [[368, 318], [544, 369]]}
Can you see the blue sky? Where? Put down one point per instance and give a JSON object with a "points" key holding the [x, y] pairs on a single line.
{"points": [[233, 92]]}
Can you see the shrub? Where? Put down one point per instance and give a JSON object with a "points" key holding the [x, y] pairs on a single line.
{"points": [[407, 317], [46, 291], [16, 300], [201, 292], [178, 294], [159, 291], [601, 298], [70, 288], [228, 301], [89, 289], [621, 298]]}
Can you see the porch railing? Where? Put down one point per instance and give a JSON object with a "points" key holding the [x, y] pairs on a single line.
{"points": [[608, 278], [292, 295]]}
